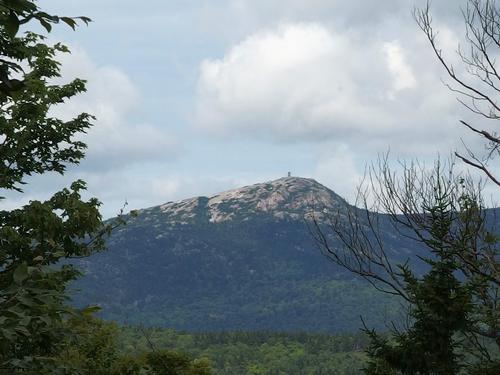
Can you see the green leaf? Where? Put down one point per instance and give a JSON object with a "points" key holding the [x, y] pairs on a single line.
{"points": [[45, 24], [4, 73], [7, 333], [26, 301], [21, 273], [89, 310], [45, 319], [16, 311], [87, 20], [22, 330], [25, 321], [59, 254], [69, 21], [12, 24], [20, 5]]}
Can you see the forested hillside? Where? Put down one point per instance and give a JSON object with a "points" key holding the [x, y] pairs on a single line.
{"points": [[245, 262]]}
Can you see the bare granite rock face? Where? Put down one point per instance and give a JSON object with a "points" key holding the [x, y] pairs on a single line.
{"points": [[285, 198]]}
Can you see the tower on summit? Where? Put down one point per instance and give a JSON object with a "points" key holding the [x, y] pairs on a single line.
{"points": [[289, 174]]}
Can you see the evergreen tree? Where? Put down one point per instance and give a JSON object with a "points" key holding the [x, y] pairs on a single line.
{"points": [[440, 310], [452, 317], [429, 345]]}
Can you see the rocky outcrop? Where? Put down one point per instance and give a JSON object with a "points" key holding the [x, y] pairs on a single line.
{"points": [[284, 198]]}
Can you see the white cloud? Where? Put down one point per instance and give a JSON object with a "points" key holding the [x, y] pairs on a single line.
{"points": [[396, 61], [339, 170], [115, 140], [355, 76], [123, 152], [304, 81]]}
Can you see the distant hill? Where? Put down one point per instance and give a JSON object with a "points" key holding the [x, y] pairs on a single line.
{"points": [[240, 260]]}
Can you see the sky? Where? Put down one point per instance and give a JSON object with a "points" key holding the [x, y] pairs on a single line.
{"points": [[195, 97]]}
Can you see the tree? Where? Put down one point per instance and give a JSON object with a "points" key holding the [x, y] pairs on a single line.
{"points": [[479, 86], [456, 301], [452, 305], [33, 239], [39, 332], [95, 350]]}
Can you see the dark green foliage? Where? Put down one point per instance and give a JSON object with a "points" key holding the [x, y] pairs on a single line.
{"points": [[93, 347], [89, 348], [492, 368], [254, 275], [439, 309], [32, 141], [39, 332], [166, 362], [245, 353], [447, 304], [163, 362], [452, 317], [34, 238]]}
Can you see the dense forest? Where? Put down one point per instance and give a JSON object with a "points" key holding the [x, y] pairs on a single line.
{"points": [[108, 346], [257, 352], [258, 274]]}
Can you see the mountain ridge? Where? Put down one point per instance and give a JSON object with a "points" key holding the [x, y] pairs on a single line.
{"points": [[242, 259], [284, 198]]}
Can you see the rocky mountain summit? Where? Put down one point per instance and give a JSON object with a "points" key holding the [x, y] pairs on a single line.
{"points": [[243, 259], [285, 198]]}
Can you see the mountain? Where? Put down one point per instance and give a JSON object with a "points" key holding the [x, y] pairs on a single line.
{"points": [[243, 259], [287, 198]]}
